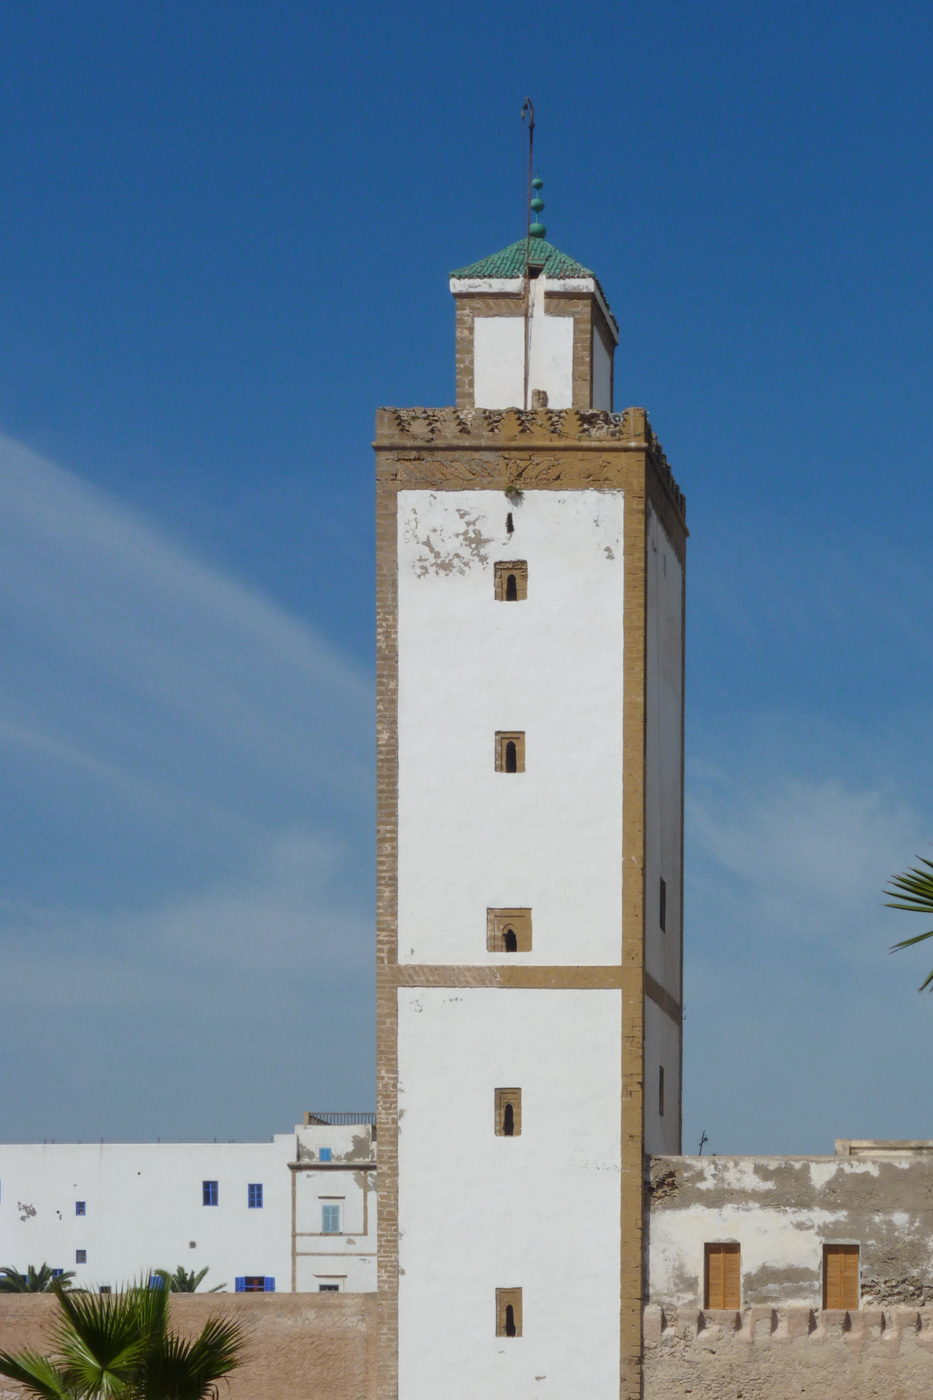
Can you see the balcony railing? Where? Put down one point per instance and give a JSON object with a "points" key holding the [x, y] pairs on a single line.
{"points": [[338, 1119]]}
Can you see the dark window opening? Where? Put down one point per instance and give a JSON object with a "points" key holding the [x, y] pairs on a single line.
{"points": [[80, 1208], [209, 1193], [508, 523], [662, 906], [509, 1320], [105, 1288], [511, 757], [511, 589], [511, 941], [328, 1288], [80, 1256], [661, 1090], [508, 1121]]}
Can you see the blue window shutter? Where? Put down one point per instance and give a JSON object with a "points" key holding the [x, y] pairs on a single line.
{"points": [[326, 1154], [241, 1285], [270, 1285]]}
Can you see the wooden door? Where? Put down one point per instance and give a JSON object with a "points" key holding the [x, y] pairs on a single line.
{"points": [[723, 1276], [840, 1276]]}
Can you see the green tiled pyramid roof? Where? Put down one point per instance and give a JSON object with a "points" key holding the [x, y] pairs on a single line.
{"points": [[510, 262]]}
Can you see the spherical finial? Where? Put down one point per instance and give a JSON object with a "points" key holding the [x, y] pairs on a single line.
{"points": [[537, 229]]}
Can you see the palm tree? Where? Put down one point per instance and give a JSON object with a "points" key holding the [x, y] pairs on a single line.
{"points": [[913, 890], [33, 1280], [181, 1281], [118, 1346]]}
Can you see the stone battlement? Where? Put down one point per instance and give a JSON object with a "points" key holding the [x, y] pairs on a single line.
{"points": [[535, 429], [872, 1353]]}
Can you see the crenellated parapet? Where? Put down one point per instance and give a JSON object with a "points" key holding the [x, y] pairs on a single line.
{"points": [[786, 1352], [534, 431]]}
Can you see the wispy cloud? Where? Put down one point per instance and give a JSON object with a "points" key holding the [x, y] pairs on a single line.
{"points": [[187, 773]]}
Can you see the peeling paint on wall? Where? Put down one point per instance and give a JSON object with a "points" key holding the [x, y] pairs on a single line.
{"points": [[782, 1210]]}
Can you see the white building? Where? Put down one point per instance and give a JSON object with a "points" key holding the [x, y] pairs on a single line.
{"points": [[296, 1214], [530, 604]]}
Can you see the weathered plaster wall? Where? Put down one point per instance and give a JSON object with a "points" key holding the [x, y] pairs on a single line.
{"points": [[782, 1210], [299, 1347]]}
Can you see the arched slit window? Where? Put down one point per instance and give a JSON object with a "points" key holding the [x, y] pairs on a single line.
{"points": [[508, 930], [511, 580], [510, 751], [511, 757], [508, 1106], [508, 1312]]}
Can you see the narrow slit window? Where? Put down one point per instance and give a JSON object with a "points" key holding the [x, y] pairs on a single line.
{"points": [[509, 526], [508, 930], [661, 1090], [723, 1276], [662, 905], [508, 1312], [841, 1276], [510, 751], [508, 1108], [511, 581]]}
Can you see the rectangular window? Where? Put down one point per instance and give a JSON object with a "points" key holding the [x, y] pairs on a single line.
{"points": [[57, 1273], [511, 581], [510, 751], [209, 1193], [330, 1220], [80, 1208], [508, 1312], [840, 1276], [254, 1195], [80, 1256], [508, 930], [723, 1276], [326, 1154], [662, 905], [328, 1288], [508, 1113], [661, 1090], [254, 1283]]}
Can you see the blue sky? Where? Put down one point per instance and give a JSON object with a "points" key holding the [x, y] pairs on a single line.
{"points": [[225, 239]]}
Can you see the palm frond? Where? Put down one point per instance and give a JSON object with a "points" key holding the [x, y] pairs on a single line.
{"points": [[101, 1340], [179, 1369], [38, 1375], [912, 891]]}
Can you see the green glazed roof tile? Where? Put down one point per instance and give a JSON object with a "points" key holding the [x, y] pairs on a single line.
{"points": [[510, 262]]}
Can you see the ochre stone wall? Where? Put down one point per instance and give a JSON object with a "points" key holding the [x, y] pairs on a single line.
{"points": [[781, 1354], [300, 1346]]}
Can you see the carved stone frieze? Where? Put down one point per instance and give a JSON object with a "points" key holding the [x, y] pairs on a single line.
{"points": [[499, 429]]}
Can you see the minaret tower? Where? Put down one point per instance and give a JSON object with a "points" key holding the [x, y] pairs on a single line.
{"points": [[531, 551]]}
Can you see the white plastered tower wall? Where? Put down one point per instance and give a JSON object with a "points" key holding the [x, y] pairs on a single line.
{"points": [[511, 1211], [574, 835]]}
